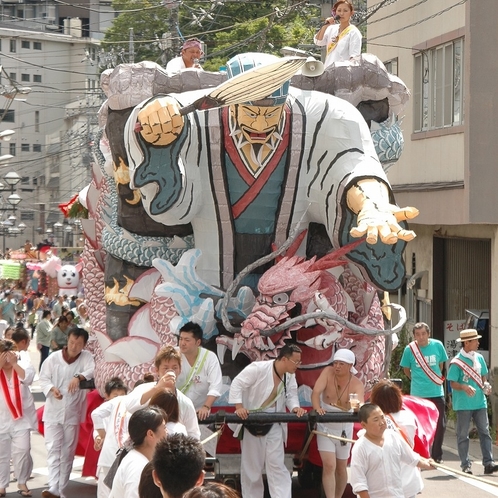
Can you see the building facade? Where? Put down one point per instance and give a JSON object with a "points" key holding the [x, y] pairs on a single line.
{"points": [[51, 96], [442, 51]]}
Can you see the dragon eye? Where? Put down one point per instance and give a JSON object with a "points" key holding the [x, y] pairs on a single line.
{"points": [[281, 298]]}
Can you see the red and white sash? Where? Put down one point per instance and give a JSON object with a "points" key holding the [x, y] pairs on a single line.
{"points": [[15, 408], [415, 348], [120, 426], [468, 370]]}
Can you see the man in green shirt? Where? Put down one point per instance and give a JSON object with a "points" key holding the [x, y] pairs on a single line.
{"points": [[467, 374], [423, 362]]}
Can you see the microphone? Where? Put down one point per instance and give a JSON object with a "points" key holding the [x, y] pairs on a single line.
{"points": [[337, 18]]}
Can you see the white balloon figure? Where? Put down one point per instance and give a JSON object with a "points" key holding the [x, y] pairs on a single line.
{"points": [[68, 279]]}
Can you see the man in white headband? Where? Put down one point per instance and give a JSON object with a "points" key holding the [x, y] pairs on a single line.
{"points": [[332, 393], [189, 57]]}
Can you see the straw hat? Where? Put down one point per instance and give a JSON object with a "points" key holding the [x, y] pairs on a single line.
{"points": [[468, 335]]}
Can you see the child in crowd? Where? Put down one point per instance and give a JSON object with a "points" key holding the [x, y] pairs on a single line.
{"points": [[110, 421], [377, 455]]}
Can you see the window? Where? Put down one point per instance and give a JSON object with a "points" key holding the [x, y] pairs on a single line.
{"points": [[13, 45], [13, 76], [25, 44], [25, 180], [27, 216], [12, 149], [37, 46], [392, 66], [37, 120], [25, 148], [438, 90], [10, 116], [36, 147], [25, 77], [37, 78]]}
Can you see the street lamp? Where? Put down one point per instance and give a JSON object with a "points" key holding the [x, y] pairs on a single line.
{"points": [[7, 228], [12, 178], [6, 135], [68, 236], [57, 230]]}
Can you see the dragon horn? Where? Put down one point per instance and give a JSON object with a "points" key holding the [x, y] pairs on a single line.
{"points": [[335, 258], [295, 245], [292, 249]]}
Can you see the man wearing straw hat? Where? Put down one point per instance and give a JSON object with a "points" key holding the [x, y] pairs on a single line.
{"points": [[467, 374]]}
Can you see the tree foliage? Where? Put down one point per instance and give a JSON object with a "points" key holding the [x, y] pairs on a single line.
{"points": [[225, 28]]}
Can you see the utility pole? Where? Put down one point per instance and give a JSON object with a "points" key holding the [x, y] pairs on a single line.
{"points": [[131, 48], [173, 29]]}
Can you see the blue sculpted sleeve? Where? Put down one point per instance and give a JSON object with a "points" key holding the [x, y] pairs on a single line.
{"points": [[161, 166]]}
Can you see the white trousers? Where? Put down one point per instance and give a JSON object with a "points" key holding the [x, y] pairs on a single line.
{"points": [[102, 490], [60, 442], [263, 452], [15, 445]]}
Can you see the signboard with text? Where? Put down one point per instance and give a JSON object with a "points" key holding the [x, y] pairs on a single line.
{"points": [[452, 330]]}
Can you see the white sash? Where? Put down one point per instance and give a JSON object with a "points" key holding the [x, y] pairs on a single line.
{"points": [[468, 370], [424, 365]]}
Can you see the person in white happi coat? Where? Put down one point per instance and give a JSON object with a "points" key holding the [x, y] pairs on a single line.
{"points": [[65, 407], [110, 424], [168, 367], [147, 427], [17, 417], [200, 376], [377, 457], [267, 386]]}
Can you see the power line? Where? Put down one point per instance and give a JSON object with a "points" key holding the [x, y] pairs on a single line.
{"points": [[397, 13], [419, 22]]}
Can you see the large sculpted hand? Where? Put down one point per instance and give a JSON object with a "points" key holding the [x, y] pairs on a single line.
{"points": [[160, 121], [369, 199]]}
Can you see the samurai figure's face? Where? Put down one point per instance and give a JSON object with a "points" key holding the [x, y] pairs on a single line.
{"points": [[258, 123]]}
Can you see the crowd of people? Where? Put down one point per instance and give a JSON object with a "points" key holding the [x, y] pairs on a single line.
{"points": [[149, 437]]}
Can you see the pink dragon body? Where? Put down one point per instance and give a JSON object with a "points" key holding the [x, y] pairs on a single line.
{"points": [[295, 286]]}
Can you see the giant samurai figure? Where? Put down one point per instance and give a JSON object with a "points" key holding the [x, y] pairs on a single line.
{"points": [[246, 174], [237, 181]]}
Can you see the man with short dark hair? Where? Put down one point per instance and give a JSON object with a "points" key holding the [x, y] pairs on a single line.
{"points": [[65, 407], [200, 376], [178, 465], [22, 339], [266, 386], [423, 362]]}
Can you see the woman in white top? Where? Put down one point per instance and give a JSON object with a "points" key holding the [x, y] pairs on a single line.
{"points": [[343, 40], [146, 428], [389, 398], [17, 417], [168, 401]]}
